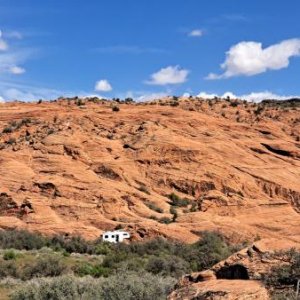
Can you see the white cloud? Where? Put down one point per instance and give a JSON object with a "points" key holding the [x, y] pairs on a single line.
{"points": [[259, 96], [16, 70], [150, 96], [252, 97], [205, 95], [186, 95], [10, 59], [169, 75], [103, 86], [15, 91], [3, 44], [1, 100], [250, 58], [196, 33]]}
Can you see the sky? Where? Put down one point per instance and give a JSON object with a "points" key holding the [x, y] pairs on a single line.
{"points": [[146, 49]]}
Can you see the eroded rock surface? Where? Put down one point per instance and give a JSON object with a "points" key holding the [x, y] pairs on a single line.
{"points": [[87, 168]]}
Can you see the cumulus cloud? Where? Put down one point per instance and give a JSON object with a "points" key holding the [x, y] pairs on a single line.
{"points": [[196, 33], [150, 96], [10, 59], [252, 97], [250, 58], [3, 44], [259, 96], [16, 70], [103, 86], [169, 75]]}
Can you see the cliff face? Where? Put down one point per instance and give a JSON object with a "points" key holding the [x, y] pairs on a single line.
{"points": [[83, 169]]}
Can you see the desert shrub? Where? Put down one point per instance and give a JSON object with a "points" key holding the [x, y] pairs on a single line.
{"points": [[193, 207], [74, 244], [115, 108], [128, 100], [132, 263], [8, 269], [65, 287], [136, 286], [151, 247], [154, 207], [127, 286], [165, 220], [26, 121], [136, 256], [79, 102], [50, 131], [286, 294], [9, 255], [44, 266], [7, 129], [143, 189], [92, 270], [174, 103], [286, 274], [173, 212], [11, 141], [170, 265], [21, 239], [177, 201], [209, 250], [259, 110], [103, 248]]}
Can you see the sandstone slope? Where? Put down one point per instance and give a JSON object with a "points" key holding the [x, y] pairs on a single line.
{"points": [[82, 168]]}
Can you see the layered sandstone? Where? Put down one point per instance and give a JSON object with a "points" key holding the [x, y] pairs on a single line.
{"points": [[83, 169]]}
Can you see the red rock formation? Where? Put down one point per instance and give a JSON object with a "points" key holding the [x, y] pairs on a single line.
{"points": [[87, 169]]}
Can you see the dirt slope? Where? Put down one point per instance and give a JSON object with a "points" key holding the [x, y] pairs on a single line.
{"points": [[82, 168]]}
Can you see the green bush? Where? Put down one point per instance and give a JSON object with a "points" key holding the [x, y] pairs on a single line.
{"points": [[136, 286], [115, 108], [74, 244], [165, 220], [8, 269], [144, 189], [44, 266], [21, 239], [127, 286], [9, 255], [154, 207], [173, 212], [177, 201], [94, 271], [7, 129], [209, 250], [286, 274], [170, 265]]}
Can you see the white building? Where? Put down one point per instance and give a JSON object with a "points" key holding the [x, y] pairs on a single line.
{"points": [[116, 236]]}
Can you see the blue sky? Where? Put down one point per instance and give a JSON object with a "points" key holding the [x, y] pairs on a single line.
{"points": [[142, 48]]}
